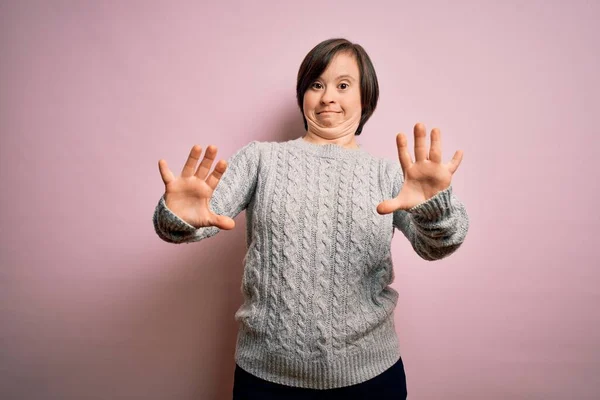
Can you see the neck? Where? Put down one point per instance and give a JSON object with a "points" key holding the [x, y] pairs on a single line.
{"points": [[347, 140]]}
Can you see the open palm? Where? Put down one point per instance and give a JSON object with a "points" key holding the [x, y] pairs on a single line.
{"points": [[426, 176], [188, 195]]}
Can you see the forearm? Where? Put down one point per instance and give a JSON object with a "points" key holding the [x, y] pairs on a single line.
{"points": [[230, 197], [172, 229], [435, 228]]}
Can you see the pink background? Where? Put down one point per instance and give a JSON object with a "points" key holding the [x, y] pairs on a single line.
{"points": [[95, 306]]}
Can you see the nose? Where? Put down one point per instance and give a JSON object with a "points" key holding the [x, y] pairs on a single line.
{"points": [[328, 95]]}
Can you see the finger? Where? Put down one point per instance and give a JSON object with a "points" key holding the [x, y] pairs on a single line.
{"points": [[420, 142], [403, 154], [435, 150], [207, 162], [389, 206], [455, 162], [165, 172], [222, 222], [217, 173], [190, 164]]}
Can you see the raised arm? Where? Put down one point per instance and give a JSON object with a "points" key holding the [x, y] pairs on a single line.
{"points": [[198, 204], [435, 228], [425, 209]]}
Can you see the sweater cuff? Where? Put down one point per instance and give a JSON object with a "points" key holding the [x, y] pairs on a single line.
{"points": [[173, 229], [434, 209], [173, 221]]}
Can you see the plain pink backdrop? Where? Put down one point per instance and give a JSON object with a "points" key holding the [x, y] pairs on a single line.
{"points": [[92, 94]]}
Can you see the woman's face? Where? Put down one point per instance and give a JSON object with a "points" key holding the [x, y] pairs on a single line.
{"points": [[332, 105]]}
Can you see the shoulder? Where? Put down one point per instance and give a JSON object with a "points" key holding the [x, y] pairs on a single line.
{"points": [[388, 169], [391, 167], [391, 175], [252, 150], [256, 154], [261, 147]]}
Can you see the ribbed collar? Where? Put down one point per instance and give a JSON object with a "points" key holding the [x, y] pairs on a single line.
{"points": [[327, 150]]}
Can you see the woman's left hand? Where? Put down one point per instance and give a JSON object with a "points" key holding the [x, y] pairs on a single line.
{"points": [[425, 177]]}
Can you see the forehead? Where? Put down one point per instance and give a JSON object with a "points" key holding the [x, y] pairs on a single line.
{"points": [[342, 64]]}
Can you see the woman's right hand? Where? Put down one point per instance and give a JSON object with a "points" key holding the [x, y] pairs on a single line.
{"points": [[188, 195]]}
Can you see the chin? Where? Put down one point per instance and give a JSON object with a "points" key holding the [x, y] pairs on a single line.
{"points": [[331, 126]]}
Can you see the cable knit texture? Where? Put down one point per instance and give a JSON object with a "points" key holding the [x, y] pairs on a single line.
{"points": [[318, 308]]}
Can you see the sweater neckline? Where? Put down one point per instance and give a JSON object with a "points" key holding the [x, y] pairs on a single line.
{"points": [[329, 150]]}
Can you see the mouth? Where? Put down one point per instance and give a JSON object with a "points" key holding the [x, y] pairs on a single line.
{"points": [[328, 112]]}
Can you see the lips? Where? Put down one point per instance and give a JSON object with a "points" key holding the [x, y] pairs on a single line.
{"points": [[323, 112]]}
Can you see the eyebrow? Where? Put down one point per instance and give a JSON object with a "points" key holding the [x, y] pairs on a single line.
{"points": [[342, 76]]}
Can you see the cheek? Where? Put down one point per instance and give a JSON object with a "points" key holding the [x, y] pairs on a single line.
{"points": [[355, 105], [309, 103], [308, 98]]}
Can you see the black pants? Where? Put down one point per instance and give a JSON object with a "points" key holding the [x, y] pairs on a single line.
{"points": [[391, 384]]}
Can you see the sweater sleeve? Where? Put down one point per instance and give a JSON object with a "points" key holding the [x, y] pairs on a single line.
{"points": [[436, 227], [232, 195]]}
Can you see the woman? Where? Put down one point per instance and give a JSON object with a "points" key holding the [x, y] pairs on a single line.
{"points": [[317, 319]]}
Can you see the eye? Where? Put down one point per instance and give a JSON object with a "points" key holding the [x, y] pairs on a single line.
{"points": [[345, 86], [316, 85]]}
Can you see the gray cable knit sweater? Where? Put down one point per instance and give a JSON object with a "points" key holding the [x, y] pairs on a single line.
{"points": [[318, 309]]}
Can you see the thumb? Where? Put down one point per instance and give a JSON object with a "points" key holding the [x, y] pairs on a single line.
{"points": [[389, 206], [223, 222]]}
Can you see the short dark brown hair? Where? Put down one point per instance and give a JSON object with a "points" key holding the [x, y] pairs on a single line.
{"points": [[317, 60]]}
